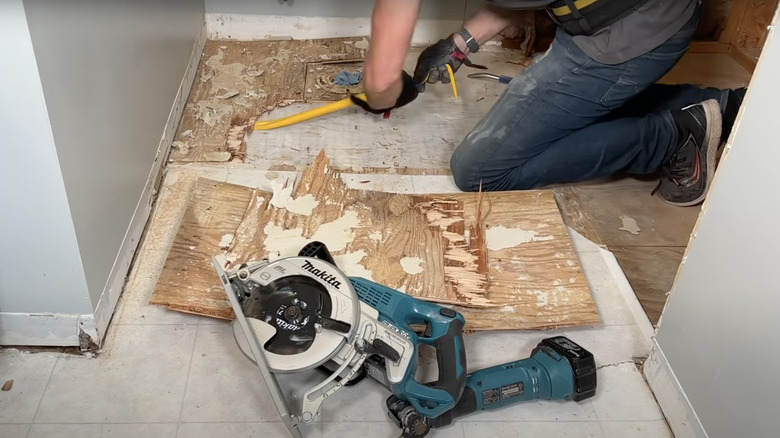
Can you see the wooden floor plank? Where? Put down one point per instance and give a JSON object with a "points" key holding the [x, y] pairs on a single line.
{"points": [[188, 281]]}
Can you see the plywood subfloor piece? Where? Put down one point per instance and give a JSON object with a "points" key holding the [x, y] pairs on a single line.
{"points": [[518, 270], [651, 271], [188, 282]]}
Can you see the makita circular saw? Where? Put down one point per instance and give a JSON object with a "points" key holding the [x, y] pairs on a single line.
{"points": [[302, 313]]}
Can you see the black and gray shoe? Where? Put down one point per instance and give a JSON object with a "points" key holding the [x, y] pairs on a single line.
{"points": [[688, 173]]}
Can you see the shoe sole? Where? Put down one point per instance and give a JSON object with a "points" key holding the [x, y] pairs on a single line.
{"points": [[711, 144]]}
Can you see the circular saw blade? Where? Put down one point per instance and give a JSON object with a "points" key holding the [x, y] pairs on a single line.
{"points": [[292, 305], [301, 312]]}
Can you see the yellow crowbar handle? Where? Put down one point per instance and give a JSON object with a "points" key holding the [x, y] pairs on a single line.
{"points": [[264, 125], [452, 81]]}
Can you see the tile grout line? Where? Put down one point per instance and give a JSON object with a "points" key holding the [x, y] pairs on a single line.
{"points": [[598, 420], [187, 379], [45, 389]]}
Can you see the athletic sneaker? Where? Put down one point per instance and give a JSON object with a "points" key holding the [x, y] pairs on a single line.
{"points": [[688, 173]]}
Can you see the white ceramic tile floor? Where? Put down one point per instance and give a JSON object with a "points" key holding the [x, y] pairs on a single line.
{"points": [[167, 374]]}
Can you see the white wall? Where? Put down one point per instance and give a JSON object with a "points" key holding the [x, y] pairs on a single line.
{"points": [[92, 92], [720, 330], [431, 9], [314, 19], [110, 72], [40, 268]]}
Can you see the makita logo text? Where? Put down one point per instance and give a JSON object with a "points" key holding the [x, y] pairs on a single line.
{"points": [[322, 274]]}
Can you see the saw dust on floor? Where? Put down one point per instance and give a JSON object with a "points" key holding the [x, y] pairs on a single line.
{"points": [[240, 82], [504, 260]]}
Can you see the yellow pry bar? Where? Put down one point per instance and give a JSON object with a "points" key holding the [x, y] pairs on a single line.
{"points": [[452, 81], [265, 125]]}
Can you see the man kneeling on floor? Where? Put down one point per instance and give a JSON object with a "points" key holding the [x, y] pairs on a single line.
{"points": [[588, 108]]}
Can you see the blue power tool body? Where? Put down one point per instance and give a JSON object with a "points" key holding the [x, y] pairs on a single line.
{"points": [[443, 332], [558, 368]]}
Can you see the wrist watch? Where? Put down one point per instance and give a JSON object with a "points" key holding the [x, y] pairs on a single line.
{"points": [[471, 43]]}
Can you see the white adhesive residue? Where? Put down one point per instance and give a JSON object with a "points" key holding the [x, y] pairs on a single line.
{"points": [[412, 265], [303, 205], [630, 225], [350, 265], [542, 297], [181, 146], [335, 235], [171, 178], [376, 236], [282, 199], [283, 243], [501, 237], [226, 241], [281, 194], [362, 44]]}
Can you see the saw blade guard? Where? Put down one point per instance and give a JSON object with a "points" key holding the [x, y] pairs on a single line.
{"points": [[302, 312]]}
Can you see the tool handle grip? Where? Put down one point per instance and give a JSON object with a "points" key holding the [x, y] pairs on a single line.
{"points": [[444, 332], [433, 399]]}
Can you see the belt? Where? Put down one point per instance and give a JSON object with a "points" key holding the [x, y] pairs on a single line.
{"points": [[586, 17]]}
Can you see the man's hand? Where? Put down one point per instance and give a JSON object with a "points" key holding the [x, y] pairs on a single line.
{"points": [[432, 63], [408, 94]]}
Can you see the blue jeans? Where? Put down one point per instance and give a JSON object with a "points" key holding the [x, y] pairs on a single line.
{"points": [[568, 118]]}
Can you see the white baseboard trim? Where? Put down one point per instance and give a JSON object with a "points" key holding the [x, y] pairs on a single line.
{"points": [[46, 329], [640, 316], [674, 403], [241, 27], [118, 276]]}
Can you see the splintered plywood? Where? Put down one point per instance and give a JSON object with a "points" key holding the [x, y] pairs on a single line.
{"points": [[236, 81], [188, 281], [504, 260]]}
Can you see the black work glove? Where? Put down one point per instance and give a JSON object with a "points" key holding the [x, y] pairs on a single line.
{"points": [[432, 63], [408, 94]]}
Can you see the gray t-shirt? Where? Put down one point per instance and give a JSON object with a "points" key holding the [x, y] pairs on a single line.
{"points": [[642, 31]]}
